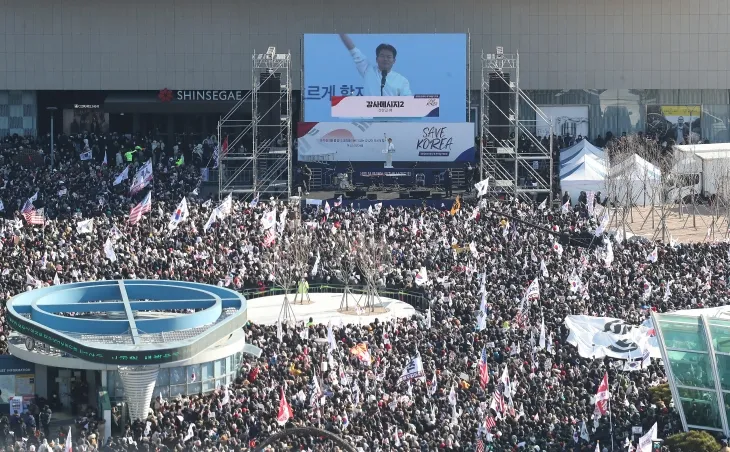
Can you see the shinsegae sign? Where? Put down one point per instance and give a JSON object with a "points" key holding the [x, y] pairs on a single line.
{"points": [[209, 95]]}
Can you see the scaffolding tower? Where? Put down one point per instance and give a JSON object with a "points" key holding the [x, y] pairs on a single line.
{"points": [[258, 155], [508, 122]]}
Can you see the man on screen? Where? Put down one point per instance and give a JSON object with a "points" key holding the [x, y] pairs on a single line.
{"points": [[379, 80]]}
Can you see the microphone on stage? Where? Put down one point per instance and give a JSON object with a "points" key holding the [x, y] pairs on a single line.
{"points": [[382, 81]]}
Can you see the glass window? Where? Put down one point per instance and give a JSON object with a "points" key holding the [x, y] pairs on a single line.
{"points": [[177, 376], [110, 377], [684, 333], [208, 385], [118, 385], [723, 370], [164, 390], [219, 383], [720, 330], [194, 373], [194, 388], [691, 369], [715, 123], [700, 407], [229, 365], [206, 372], [178, 390], [163, 378], [220, 367]]}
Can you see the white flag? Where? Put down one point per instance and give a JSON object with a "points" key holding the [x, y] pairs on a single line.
{"points": [[543, 269], [543, 204], [85, 226], [413, 370], [179, 215], [452, 396], [331, 337], [226, 207], [646, 440], [124, 175], [421, 277], [566, 207], [482, 187], [56, 280], [68, 446], [86, 155], [315, 267], [603, 225], [268, 220], [542, 335], [109, 250], [211, 219], [653, 256]]}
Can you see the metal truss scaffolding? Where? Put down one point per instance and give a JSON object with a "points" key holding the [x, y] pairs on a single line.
{"points": [[512, 155], [258, 158]]}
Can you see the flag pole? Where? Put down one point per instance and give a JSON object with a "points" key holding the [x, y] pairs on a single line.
{"points": [[610, 421]]}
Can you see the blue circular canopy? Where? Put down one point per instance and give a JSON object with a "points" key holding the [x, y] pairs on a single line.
{"points": [[129, 322]]}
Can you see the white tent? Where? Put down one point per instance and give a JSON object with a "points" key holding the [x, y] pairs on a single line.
{"points": [[590, 161], [637, 178], [579, 150], [586, 174]]}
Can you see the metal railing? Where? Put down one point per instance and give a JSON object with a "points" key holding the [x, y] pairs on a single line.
{"points": [[415, 299]]}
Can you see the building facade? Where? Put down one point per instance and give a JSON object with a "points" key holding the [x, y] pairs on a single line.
{"points": [[619, 59], [696, 352]]}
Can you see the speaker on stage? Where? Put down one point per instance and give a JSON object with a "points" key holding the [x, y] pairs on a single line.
{"points": [[355, 194], [372, 196], [269, 105], [499, 94], [420, 194]]}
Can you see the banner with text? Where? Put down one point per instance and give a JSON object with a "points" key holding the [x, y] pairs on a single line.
{"points": [[368, 141], [369, 107]]}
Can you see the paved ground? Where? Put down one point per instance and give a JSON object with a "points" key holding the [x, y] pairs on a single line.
{"points": [[689, 227], [323, 309]]}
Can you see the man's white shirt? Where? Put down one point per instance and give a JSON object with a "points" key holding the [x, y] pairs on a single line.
{"points": [[391, 148], [395, 84]]}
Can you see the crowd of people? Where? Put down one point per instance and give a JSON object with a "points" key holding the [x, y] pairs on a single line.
{"points": [[548, 404]]}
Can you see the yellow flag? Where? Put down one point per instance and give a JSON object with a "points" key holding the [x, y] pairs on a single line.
{"points": [[457, 205]]}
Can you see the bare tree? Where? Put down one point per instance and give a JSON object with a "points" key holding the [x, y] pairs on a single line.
{"points": [[617, 182], [289, 260], [372, 254], [344, 264]]}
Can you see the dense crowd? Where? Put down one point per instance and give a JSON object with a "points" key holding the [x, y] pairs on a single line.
{"points": [[551, 388]]}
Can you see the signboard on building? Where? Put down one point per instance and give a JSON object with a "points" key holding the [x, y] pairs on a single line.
{"points": [[210, 95]]}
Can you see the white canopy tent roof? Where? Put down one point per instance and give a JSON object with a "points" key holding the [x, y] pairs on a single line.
{"points": [[586, 174], [636, 178], [578, 150]]}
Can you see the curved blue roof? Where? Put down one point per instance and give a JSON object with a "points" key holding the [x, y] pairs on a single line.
{"points": [[129, 321]]}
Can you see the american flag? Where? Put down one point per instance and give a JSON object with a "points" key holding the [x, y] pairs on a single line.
{"points": [[483, 369], [140, 209], [489, 422], [269, 238], [480, 445], [34, 216]]}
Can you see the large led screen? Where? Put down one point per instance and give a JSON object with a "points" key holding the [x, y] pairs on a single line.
{"points": [[386, 65]]}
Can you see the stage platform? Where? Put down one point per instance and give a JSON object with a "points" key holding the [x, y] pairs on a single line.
{"points": [[390, 198], [323, 309]]}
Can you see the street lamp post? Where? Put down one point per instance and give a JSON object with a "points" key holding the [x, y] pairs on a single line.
{"points": [[53, 152]]}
